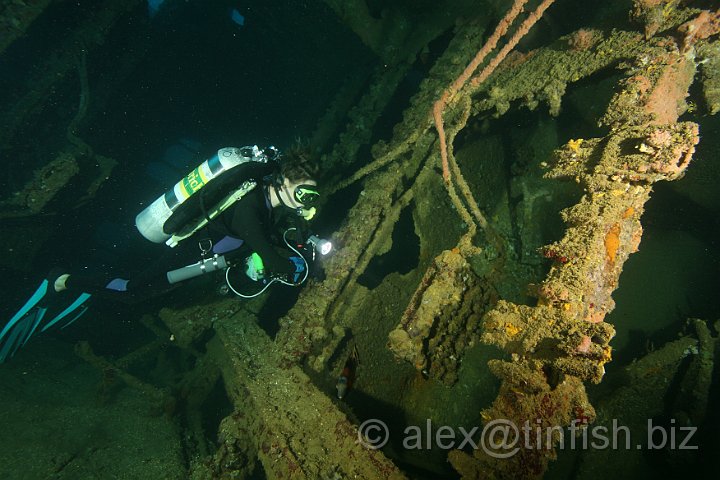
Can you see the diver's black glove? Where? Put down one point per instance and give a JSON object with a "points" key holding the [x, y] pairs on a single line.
{"points": [[300, 266]]}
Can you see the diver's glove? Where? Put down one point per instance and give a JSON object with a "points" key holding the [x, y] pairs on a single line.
{"points": [[299, 268], [254, 268]]}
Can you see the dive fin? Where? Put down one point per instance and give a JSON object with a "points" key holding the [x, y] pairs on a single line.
{"points": [[75, 317], [38, 318], [20, 334], [71, 308], [11, 342], [23, 325], [32, 301]]}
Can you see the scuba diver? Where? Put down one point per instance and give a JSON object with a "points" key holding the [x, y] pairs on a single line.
{"points": [[235, 196]]}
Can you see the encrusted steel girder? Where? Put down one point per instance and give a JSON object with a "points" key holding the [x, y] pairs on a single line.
{"points": [[297, 431], [563, 341]]}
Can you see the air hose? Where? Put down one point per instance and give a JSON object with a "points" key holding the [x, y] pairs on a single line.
{"points": [[280, 280]]}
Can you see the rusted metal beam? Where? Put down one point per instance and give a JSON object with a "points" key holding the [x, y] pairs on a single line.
{"points": [[297, 430]]}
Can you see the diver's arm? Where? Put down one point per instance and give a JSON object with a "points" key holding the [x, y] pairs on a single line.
{"points": [[297, 227], [249, 222]]}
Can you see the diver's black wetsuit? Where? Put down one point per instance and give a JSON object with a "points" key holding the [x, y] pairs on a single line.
{"points": [[249, 219]]}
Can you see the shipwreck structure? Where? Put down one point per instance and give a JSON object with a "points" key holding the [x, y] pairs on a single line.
{"points": [[489, 290]]}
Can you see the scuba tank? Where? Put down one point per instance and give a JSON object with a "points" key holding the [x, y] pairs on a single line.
{"points": [[151, 222]]}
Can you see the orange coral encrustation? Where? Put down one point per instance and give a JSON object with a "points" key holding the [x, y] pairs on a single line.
{"points": [[612, 243]]}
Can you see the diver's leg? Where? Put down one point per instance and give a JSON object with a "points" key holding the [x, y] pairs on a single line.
{"points": [[148, 283]]}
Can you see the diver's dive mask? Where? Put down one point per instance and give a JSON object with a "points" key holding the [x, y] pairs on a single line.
{"points": [[307, 195], [304, 194]]}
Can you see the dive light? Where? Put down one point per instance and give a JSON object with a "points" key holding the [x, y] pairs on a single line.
{"points": [[321, 246], [206, 265]]}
